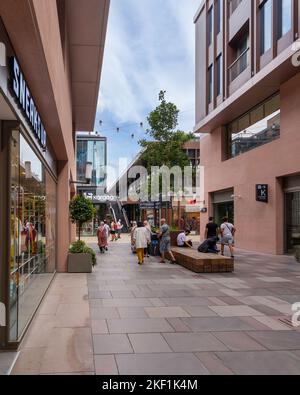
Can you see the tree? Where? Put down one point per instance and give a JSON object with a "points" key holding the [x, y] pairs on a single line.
{"points": [[165, 147], [81, 211]]}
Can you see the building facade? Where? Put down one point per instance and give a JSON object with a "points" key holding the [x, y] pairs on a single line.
{"points": [[49, 81], [92, 149], [247, 99]]}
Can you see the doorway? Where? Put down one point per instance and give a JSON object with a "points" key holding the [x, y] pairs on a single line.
{"points": [[223, 205], [292, 221]]}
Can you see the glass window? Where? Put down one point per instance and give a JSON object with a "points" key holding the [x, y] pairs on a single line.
{"points": [[32, 228], [210, 26], [219, 15], [219, 75], [259, 126], [285, 13], [266, 26], [93, 151], [210, 84]]}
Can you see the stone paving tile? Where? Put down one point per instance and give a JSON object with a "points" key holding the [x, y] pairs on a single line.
{"points": [[217, 324], [193, 342], [261, 362], [235, 311], [273, 279], [134, 302], [140, 325], [7, 360], [149, 343], [122, 294], [188, 301], [99, 327], [156, 302], [277, 340], [73, 315], [111, 344], [105, 365], [100, 295], [238, 341], [132, 312], [200, 311], [103, 313], [213, 364], [178, 325], [166, 312], [161, 364], [29, 361]]}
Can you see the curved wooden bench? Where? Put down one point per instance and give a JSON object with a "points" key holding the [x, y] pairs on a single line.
{"points": [[202, 263]]}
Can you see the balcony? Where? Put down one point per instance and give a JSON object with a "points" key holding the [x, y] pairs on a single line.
{"points": [[239, 65]]}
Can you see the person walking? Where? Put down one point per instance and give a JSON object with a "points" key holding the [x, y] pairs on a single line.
{"points": [[102, 237], [141, 239], [119, 229], [113, 231], [212, 229], [107, 229], [133, 228], [227, 231], [165, 241], [149, 230]]}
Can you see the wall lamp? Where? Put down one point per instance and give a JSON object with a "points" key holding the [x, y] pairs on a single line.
{"points": [[88, 175]]}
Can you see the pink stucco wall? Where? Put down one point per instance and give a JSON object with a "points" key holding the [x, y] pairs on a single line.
{"points": [[260, 226]]}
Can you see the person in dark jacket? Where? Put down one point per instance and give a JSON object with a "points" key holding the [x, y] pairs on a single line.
{"points": [[209, 246]]}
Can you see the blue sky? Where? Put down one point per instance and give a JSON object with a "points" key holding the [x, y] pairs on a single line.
{"points": [[149, 47]]}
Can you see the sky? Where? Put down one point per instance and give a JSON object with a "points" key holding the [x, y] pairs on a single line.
{"points": [[150, 46]]}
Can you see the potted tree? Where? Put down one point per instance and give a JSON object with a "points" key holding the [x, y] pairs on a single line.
{"points": [[81, 258]]}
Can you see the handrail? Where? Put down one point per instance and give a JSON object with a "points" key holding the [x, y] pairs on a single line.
{"points": [[236, 61]]}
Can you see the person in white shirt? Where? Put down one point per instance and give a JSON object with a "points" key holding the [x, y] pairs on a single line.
{"points": [[107, 228], [227, 231], [141, 239], [182, 240]]}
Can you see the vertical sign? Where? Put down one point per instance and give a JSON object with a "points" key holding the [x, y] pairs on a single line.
{"points": [[262, 193]]}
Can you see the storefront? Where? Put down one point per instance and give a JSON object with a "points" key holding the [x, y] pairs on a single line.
{"points": [[28, 194], [223, 205], [292, 213]]}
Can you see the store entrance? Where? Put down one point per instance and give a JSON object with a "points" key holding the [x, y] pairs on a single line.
{"points": [[223, 205], [292, 227]]}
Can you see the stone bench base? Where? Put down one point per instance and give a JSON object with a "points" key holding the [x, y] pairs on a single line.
{"points": [[202, 263]]}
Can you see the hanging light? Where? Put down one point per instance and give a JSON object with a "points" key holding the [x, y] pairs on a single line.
{"points": [[88, 171], [141, 124], [118, 129], [100, 123]]}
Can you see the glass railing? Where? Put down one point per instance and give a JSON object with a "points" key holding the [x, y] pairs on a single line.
{"points": [[233, 5], [239, 65]]}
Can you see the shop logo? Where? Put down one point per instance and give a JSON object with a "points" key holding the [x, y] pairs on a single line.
{"points": [[22, 93], [2, 314], [296, 56], [296, 316]]}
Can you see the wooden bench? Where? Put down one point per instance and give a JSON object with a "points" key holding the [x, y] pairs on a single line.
{"points": [[202, 263]]}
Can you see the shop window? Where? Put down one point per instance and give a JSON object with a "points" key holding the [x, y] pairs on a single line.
{"points": [[259, 126], [266, 26], [32, 233], [285, 13]]}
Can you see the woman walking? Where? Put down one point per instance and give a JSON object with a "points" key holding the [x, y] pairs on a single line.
{"points": [[113, 226], [102, 238], [141, 239], [149, 230]]}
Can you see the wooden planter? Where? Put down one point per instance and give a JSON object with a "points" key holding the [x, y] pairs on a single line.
{"points": [[80, 263], [174, 234]]}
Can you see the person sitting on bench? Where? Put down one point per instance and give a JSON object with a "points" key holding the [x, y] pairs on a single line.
{"points": [[209, 246], [182, 240]]}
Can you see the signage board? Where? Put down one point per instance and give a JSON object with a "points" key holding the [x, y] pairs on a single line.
{"points": [[25, 100], [262, 193]]}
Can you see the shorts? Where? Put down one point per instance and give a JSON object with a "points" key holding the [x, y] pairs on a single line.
{"points": [[165, 245], [227, 240], [112, 232]]}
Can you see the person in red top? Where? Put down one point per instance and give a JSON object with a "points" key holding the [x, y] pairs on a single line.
{"points": [[102, 238]]}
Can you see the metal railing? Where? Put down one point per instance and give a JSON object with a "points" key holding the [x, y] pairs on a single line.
{"points": [[233, 5], [239, 65]]}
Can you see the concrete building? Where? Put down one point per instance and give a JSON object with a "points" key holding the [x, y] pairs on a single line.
{"points": [[247, 104], [50, 65]]}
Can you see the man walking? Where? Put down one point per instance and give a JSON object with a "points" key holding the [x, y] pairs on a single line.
{"points": [[227, 231], [165, 241], [212, 229]]}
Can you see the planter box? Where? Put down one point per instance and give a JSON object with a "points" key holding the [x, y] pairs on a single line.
{"points": [[174, 234], [80, 263], [297, 253]]}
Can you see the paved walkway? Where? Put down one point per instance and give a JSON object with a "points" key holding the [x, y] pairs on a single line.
{"points": [[163, 319]]}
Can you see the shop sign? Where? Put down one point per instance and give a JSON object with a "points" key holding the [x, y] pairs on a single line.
{"points": [[22, 94], [99, 198], [262, 193]]}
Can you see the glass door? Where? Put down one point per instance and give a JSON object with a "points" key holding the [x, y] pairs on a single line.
{"points": [[292, 221]]}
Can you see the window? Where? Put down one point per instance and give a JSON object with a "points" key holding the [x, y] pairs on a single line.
{"points": [[210, 84], [219, 15], [241, 58], [284, 17], [219, 75], [210, 26], [233, 5], [93, 151], [259, 126], [266, 26]]}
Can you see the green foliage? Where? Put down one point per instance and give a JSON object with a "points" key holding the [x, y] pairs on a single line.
{"points": [[81, 211], [165, 147], [79, 247]]}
